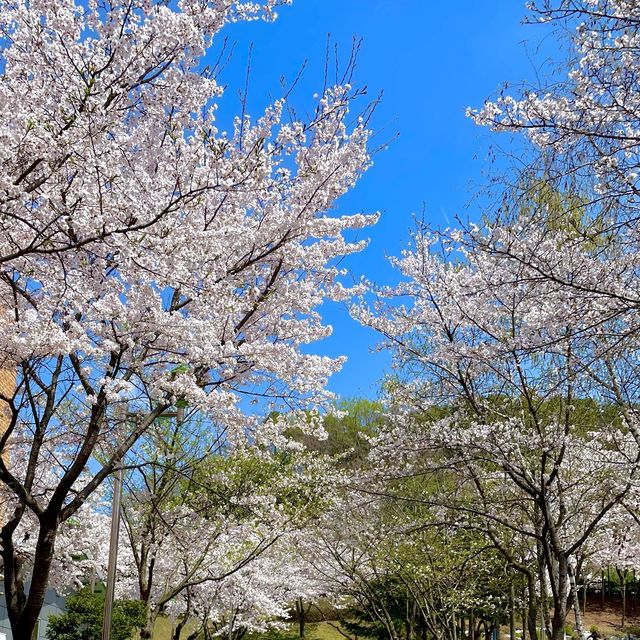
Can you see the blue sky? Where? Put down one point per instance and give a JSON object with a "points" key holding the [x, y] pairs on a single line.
{"points": [[432, 60]]}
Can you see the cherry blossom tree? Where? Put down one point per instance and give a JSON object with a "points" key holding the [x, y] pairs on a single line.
{"points": [[401, 568], [585, 126], [517, 351], [192, 558], [197, 508], [149, 258], [255, 598], [617, 545], [81, 554], [590, 120], [517, 386], [586, 129]]}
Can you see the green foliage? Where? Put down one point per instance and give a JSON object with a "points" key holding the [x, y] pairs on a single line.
{"points": [[221, 482], [348, 430], [584, 414], [562, 209], [296, 479], [83, 618]]}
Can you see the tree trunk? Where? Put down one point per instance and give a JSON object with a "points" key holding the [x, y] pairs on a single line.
{"points": [[512, 612], [559, 617], [23, 611], [575, 599], [532, 609], [147, 632], [423, 628], [411, 616], [301, 616], [560, 595], [624, 598], [184, 618], [622, 575], [145, 581], [180, 625]]}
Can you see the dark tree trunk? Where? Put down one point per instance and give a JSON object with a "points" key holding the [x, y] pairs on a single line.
{"points": [[512, 612], [575, 600], [410, 616], [532, 610], [423, 628], [560, 600], [302, 617], [24, 610], [183, 620], [624, 603]]}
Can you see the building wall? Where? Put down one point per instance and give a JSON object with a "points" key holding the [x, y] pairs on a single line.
{"points": [[7, 386], [53, 605], [7, 382]]}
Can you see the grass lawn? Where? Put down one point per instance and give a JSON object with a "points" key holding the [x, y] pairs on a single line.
{"points": [[323, 631], [163, 627], [314, 631]]}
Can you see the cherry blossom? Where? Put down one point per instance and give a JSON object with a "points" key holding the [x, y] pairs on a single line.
{"points": [[521, 387], [150, 258]]}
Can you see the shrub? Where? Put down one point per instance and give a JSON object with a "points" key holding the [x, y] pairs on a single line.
{"points": [[83, 618]]}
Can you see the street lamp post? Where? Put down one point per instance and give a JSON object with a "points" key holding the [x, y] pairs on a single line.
{"points": [[113, 539], [113, 556]]}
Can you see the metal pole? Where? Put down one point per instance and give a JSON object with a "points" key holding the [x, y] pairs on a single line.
{"points": [[113, 556]]}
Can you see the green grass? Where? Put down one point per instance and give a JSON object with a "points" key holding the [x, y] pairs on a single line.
{"points": [[324, 631], [313, 631], [163, 627]]}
